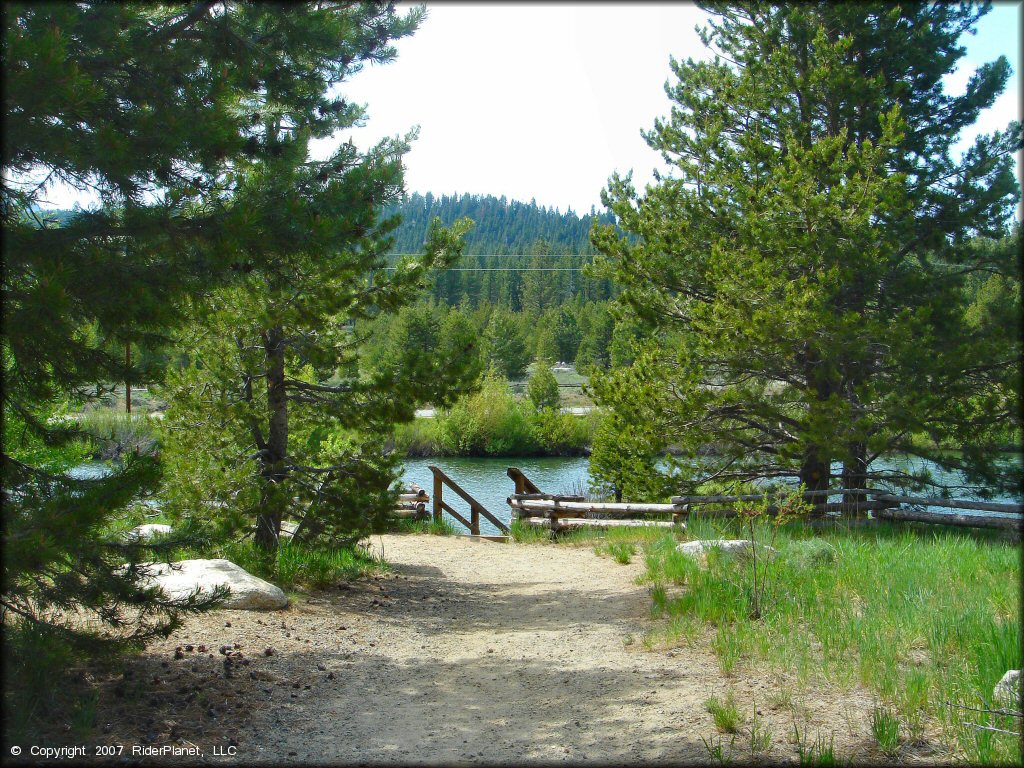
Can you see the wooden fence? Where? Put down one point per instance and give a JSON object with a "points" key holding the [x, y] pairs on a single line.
{"points": [[882, 505], [535, 508]]}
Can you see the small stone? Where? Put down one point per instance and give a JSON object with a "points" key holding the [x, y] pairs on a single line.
{"points": [[227, 623], [268, 652], [1008, 690]]}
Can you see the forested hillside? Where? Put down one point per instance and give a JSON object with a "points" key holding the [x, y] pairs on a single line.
{"points": [[502, 226], [517, 255]]}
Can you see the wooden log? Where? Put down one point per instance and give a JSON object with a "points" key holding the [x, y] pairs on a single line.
{"points": [[578, 507], [984, 506], [409, 514], [545, 496], [421, 496], [818, 510], [947, 518], [759, 496], [581, 522]]}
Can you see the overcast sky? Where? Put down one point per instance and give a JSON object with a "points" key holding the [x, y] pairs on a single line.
{"points": [[545, 101]]}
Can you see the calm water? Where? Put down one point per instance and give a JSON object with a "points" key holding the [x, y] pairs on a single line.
{"points": [[485, 480]]}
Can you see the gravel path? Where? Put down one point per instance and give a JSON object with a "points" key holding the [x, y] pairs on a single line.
{"points": [[468, 652]]}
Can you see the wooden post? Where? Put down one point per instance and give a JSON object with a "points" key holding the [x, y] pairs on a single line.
{"points": [[127, 386], [474, 518], [438, 489]]}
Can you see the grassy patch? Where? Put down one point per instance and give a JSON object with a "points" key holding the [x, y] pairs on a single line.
{"points": [[619, 551], [39, 686], [885, 727], [920, 618], [434, 527], [725, 713], [295, 565], [528, 534]]}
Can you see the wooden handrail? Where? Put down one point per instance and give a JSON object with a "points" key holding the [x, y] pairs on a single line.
{"points": [[523, 483], [476, 508]]}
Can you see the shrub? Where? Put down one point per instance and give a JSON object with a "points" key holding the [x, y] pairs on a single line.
{"points": [[542, 389]]}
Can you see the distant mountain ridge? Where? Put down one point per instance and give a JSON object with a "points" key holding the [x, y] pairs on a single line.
{"points": [[501, 226]]}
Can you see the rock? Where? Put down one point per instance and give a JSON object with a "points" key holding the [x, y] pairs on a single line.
{"points": [[740, 547], [1008, 691], [147, 532], [248, 592]]}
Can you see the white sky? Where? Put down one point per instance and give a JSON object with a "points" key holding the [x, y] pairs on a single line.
{"points": [[545, 101]]}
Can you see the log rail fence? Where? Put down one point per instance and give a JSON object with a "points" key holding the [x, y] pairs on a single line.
{"points": [[560, 512]]}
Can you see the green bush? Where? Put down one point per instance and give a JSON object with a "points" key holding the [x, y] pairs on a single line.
{"points": [[490, 422]]}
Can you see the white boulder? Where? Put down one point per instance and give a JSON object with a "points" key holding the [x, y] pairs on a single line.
{"points": [[147, 532], [248, 592], [1007, 692], [740, 547]]}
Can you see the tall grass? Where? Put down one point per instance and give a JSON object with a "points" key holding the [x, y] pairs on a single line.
{"points": [[113, 434], [919, 618], [294, 564]]}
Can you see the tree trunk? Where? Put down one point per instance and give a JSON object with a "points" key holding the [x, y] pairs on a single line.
{"points": [[816, 467], [855, 469], [268, 522]]}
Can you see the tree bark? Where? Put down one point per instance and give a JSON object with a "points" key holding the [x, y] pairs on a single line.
{"points": [[854, 475], [268, 522], [816, 467]]}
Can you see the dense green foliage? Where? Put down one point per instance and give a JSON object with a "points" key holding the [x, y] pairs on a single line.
{"points": [[192, 123], [801, 278], [493, 422]]}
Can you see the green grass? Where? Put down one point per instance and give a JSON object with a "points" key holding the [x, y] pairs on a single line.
{"points": [[885, 727], [725, 713], [528, 534], [619, 551], [918, 617], [434, 527], [295, 565]]}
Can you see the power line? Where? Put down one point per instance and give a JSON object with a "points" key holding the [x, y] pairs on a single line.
{"points": [[507, 269]]}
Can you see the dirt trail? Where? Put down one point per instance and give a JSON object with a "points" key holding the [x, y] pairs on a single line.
{"points": [[468, 652]]}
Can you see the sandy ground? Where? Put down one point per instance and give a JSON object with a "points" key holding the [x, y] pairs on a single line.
{"points": [[468, 652]]}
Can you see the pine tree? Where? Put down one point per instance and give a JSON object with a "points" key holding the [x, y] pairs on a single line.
{"points": [[799, 274], [504, 348], [191, 123], [542, 388]]}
